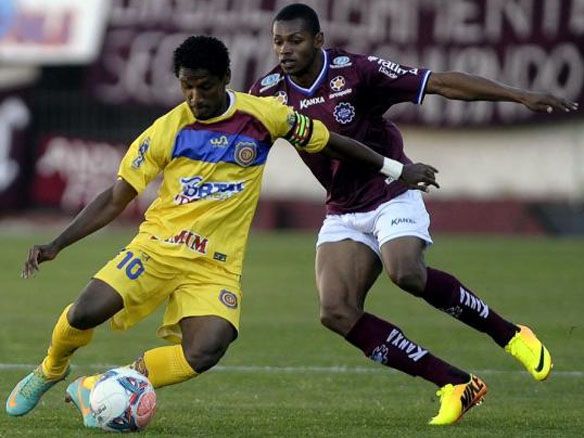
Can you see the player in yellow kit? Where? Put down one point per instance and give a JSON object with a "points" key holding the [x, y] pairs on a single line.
{"points": [[189, 251]]}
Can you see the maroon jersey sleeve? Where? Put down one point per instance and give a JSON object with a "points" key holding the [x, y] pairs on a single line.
{"points": [[255, 89], [391, 82]]}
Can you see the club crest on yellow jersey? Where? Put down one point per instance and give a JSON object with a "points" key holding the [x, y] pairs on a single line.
{"points": [[228, 298], [245, 153]]}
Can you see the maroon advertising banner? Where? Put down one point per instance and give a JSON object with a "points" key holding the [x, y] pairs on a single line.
{"points": [[15, 119], [70, 172], [533, 44]]}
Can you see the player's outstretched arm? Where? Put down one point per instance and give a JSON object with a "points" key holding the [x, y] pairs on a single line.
{"points": [[464, 86], [416, 176], [101, 211]]}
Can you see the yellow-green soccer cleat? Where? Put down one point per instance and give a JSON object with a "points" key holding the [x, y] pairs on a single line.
{"points": [[28, 392], [455, 400], [527, 349], [78, 393]]}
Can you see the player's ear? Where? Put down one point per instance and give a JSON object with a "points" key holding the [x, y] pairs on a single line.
{"points": [[227, 77], [319, 40]]}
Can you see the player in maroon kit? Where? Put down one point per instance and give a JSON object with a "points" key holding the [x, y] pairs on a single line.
{"points": [[371, 224]]}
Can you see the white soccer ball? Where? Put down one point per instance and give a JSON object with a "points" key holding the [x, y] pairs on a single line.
{"points": [[122, 400]]}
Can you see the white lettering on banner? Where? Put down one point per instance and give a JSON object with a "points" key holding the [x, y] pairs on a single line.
{"points": [[86, 168], [525, 66], [399, 21], [14, 115], [545, 35]]}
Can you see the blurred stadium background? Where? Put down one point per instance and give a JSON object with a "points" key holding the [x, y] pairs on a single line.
{"points": [[80, 80]]}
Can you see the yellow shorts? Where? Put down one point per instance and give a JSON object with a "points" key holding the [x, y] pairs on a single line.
{"points": [[145, 280]]}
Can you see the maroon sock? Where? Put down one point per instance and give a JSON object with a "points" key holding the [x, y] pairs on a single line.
{"points": [[385, 343], [446, 293]]}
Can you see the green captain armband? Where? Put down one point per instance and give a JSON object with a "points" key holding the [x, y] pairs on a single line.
{"points": [[300, 131]]}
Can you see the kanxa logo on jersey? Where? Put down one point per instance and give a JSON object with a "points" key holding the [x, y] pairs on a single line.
{"points": [[194, 189], [305, 103], [402, 220], [142, 149], [191, 240]]}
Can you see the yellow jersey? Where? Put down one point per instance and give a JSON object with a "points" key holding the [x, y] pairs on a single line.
{"points": [[211, 175]]}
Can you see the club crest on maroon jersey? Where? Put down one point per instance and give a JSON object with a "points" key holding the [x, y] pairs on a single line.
{"points": [[344, 113], [281, 97], [338, 83]]}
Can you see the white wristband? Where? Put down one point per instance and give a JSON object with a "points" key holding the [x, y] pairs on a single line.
{"points": [[391, 168]]}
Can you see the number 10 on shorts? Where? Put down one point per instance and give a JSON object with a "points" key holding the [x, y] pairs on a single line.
{"points": [[133, 265]]}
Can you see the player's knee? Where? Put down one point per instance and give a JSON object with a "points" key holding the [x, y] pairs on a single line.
{"points": [[336, 316], [202, 359], [412, 280], [81, 317]]}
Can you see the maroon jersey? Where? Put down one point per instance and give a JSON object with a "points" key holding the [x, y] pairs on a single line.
{"points": [[350, 96]]}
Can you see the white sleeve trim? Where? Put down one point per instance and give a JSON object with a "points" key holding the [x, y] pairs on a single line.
{"points": [[422, 89]]}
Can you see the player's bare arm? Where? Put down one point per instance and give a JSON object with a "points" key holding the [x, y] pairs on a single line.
{"points": [[416, 176], [464, 86], [101, 211]]}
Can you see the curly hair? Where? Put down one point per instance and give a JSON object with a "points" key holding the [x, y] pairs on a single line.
{"points": [[302, 11], [202, 52]]}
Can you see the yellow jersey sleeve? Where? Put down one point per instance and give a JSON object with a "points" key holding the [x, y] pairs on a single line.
{"points": [[301, 131], [146, 157]]}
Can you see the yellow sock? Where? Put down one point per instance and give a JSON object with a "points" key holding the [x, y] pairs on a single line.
{"points": [[165, 366], [64, 341]]}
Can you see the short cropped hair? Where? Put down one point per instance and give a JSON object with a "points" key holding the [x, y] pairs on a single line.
{"points": [[202, 52], [302, 11]]}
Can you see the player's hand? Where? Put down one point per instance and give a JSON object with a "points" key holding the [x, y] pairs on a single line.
{"points": [[547, 103], [36, 255], [419, 176]]}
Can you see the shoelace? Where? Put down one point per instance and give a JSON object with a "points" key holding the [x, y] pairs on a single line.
{"points": [[33, 385]]}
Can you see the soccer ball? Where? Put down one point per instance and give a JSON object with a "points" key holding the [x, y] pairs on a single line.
{"points": [[122, 400]]}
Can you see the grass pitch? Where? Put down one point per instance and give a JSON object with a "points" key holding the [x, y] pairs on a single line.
{"points": [[286, 376]]}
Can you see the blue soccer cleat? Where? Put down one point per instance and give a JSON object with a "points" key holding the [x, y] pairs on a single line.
{"points": [[78, 393], [28, 392]]}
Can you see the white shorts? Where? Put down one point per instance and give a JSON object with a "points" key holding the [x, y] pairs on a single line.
{"points": [[402, 216]]}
